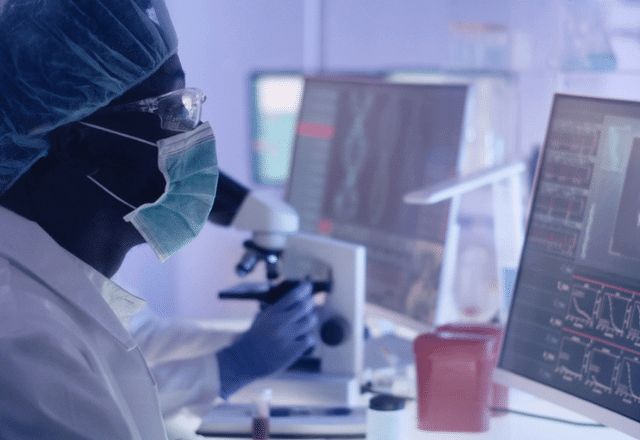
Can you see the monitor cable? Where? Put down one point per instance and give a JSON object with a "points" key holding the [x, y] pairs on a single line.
{"points": [[552, 419]]}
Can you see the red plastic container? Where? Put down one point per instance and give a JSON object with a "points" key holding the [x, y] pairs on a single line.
{"points": [[454, 380], [499, 393]]}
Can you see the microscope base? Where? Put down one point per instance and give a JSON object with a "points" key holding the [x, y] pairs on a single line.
{"points": [[305, 389]]}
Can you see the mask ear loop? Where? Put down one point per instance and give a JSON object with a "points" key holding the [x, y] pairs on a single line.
{"points": [[104, 188], [97, 127], [111, 193]]}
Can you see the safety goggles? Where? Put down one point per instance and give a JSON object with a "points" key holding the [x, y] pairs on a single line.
{"points": [[179, 110]]}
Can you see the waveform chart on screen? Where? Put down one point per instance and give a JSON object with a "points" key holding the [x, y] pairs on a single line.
{"points": [[582, 305], [601, 368], [628, 383]]}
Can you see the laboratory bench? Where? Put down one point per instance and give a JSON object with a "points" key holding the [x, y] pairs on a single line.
{"points": [[507, 427], [514, 425]]}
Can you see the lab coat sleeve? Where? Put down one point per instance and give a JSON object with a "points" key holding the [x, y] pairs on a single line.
{"points": [[49, 390], [182, 358]]}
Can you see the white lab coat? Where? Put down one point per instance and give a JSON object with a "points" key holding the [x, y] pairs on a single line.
{"points": [[69, 369], [182, 357]]}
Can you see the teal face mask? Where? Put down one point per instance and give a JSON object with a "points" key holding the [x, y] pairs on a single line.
{"points": [[190, 168]]}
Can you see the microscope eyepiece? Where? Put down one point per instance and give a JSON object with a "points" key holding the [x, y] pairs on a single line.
{"points": [[253, 255]]}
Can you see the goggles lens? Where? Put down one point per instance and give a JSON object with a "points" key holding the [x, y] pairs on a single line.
{"points": [[179, 110]]}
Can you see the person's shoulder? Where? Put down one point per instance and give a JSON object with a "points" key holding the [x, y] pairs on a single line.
{"points": [[37, 347], [29, 309], [53, 381]]}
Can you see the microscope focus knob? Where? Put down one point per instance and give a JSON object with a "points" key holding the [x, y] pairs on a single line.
{"points": [[334, 331]]}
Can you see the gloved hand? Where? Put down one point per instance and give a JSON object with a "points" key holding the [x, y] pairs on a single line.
{"points": [[279, 335]]}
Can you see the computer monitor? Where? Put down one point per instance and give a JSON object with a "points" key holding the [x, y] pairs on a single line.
{"points": [[360, 145], [573, 330]]}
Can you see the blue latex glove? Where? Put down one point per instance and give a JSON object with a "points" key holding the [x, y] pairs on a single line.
{"points": [[279, 335]]}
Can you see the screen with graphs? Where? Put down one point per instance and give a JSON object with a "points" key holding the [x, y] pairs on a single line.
{"points": [[575, 316], [360, 146]]}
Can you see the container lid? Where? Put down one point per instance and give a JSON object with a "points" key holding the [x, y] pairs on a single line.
{"points": [[386, 402]]}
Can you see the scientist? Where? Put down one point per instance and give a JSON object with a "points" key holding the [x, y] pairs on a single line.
{"points": [[102, 149]]}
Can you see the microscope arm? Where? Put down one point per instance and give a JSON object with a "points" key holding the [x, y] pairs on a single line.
{"points": [[271, 220], [229, 198]]}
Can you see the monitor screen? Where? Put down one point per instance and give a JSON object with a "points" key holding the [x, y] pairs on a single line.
{"points": [[573, 331], [360, 146]]}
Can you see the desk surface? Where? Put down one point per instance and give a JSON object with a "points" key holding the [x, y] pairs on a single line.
{"points": [[507, 427], [510, 426]]}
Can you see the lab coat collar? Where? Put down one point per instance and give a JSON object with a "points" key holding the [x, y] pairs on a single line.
{"points": [[26, 245]]}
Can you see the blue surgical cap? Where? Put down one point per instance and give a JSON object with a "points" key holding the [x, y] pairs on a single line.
{"points": [[60, 60]]}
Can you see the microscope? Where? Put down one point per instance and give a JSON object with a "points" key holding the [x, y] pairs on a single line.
{"points": [[330, 373]]}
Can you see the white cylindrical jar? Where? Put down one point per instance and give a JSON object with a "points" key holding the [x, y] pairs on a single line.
{"points": [[387, 418]]}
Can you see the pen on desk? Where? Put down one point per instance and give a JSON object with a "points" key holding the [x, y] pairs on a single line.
{"points": [[293, 411]]}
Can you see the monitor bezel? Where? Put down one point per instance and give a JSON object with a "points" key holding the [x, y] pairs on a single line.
{"points": [[543, 391]]}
